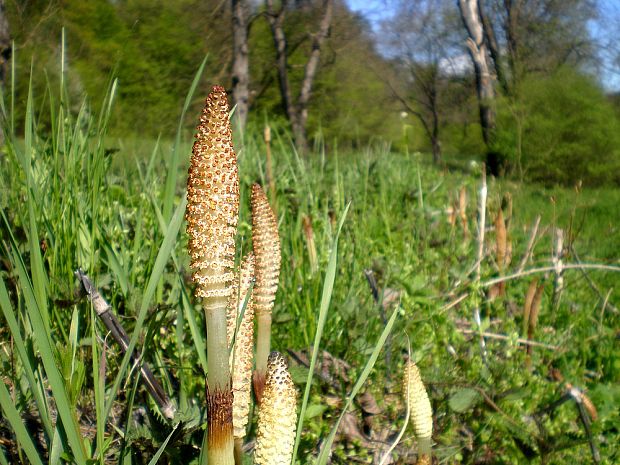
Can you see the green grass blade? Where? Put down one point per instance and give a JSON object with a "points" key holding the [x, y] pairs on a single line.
{"points": [[39, 277], [13, 67], [25, 156], [48, 357], [163, 446], [197, 335], [115, 265], [151, 164], [158, 269], [12, 415], [173, 165], [188, 309], [3, 459], [108, 102], [5, 305], [328, 287], [99, 391], [327, 446]]}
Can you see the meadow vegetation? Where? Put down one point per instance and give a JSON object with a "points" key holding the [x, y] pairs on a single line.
{"points": [[405, 270]]}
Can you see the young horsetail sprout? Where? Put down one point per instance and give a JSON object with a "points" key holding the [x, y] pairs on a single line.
{"points": [[419, 408], [212, 215], [277, 415], [241, 342], [266, 244]]}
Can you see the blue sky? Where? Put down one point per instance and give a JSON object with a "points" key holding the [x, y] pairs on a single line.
{"points": [[606, 30], [374, 10]]}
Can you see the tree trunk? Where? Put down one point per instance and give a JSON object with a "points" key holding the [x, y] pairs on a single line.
{"points": [[276, 21], [6, 50], [241, 64], [436, 143], [310, 73], [513, 13], [478, 52], [489, 34], [297, 112]]}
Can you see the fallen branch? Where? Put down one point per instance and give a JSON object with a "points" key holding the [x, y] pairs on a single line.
{"points": [[503, 337], [102, 308], [546, 269], [593, 286], [455, 302]]}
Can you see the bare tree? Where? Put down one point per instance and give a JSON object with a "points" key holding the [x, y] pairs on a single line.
{"points": [[420, 37], [478, 50], [535, 36], [297, 110], [241, 62]]}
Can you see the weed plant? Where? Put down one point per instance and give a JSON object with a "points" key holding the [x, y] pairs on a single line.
{"points": [[71, 197]]}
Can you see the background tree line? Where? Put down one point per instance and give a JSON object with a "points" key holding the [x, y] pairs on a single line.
{"points": [[519, 83]]}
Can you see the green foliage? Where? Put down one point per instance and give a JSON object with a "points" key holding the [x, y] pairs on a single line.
{"points": [[560, 129], [152, 48]]}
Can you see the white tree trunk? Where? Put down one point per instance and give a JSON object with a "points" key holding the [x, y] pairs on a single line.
{"points": [[478, 51]]}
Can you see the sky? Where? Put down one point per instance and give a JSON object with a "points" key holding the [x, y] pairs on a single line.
{"points": [[605, 30], [374, 10]]}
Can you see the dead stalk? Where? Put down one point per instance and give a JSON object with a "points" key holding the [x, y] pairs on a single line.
{"points": [[558, 252], [482, 208]]}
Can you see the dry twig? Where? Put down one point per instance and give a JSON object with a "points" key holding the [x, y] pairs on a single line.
{"points": [[102, 308]]}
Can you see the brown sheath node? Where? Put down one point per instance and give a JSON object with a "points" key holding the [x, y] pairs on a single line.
{"points": [[219, 416], [258, 382]]}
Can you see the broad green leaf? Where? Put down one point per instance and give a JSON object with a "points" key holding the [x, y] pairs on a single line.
{"points": [[463, 399]]}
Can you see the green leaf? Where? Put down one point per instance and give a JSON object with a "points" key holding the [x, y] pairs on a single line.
{"points": [[314, 410], [464, 399], [163, 446], [299, 374]]}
